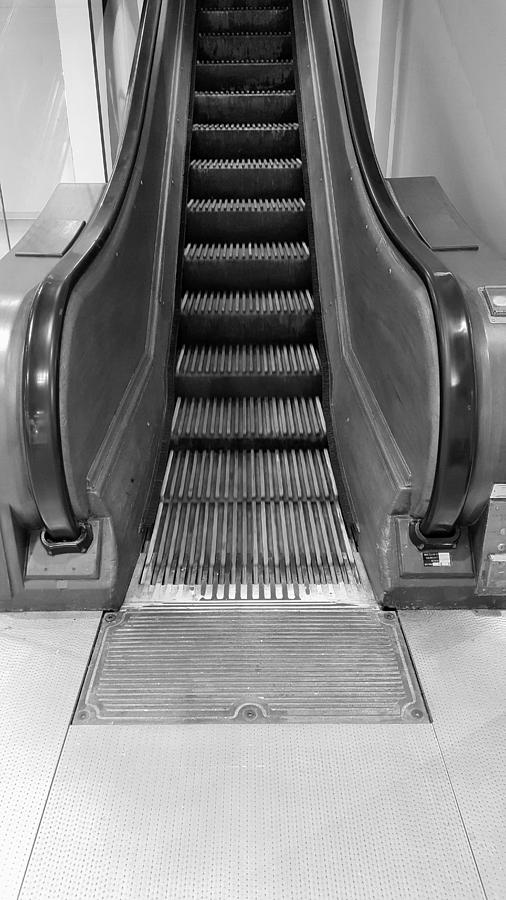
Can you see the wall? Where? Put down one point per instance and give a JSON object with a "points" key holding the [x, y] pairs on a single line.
{"points": [[434, 75], [366, 17], [35, 152], [451, 119]]}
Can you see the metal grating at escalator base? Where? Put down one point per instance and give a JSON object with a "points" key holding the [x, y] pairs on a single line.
{"points": [[251, 663]]}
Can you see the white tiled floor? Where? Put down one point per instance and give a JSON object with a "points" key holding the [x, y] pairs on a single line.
{"points": [[138, 812]]}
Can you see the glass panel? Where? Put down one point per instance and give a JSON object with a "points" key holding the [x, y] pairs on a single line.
{"points": [[35, 151], [433, 75], [64, 76]]}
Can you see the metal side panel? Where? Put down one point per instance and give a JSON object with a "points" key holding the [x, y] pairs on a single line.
{"points": [[460, 657], [186, 812], [43, 661]]}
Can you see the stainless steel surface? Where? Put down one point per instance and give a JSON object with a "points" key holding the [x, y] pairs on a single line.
{"points": [[269, 664], [250, 517], [43, 659], [221, 813], [460, 657]]}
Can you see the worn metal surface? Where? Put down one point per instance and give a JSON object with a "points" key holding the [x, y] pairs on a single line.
{"points": [[269, 664], [43, 660], [461, 659], [220, 813]]}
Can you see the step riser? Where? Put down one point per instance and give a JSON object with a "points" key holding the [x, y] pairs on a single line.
{"points": [[245, 108], [246, 226], [244, 47], [238, 442], [248, 385], [246, 184], [244, 20], [240, 275], [225, 329], [211, 5], [245, 76], [245, 144]]}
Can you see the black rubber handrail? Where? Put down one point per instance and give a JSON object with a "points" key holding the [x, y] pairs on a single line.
{"points": [[458, 392], [41, 363]]}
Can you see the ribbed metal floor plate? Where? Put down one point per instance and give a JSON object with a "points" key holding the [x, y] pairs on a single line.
{"points": [[332, 812], [43, 658], [270, 664]]}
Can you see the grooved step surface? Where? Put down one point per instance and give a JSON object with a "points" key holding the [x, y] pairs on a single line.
{"points": [[228, 141], [255, 420], [229, 219], [251, 664], [261, 475], [228, 45], [245, 106], [246, 74], [246, 178], [237, 266], [260, 19], [250, 517], [275, 316], [251, 303]]}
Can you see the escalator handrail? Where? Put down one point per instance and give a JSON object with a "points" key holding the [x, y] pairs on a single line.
{"points": [[41, 362], [458, 393]]}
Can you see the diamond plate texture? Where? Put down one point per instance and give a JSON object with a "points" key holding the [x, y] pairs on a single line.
{"points": [[251, 813], [461, 659], [211, 662], [43, 660]]}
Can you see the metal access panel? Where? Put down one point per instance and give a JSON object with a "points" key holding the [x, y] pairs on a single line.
{"points": [[251, 663]]}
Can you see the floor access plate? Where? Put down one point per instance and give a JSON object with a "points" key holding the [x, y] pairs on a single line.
{"points": [[251, 663]]}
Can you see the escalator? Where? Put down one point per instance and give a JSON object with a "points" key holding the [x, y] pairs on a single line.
{"points": [[250, 376], [249, 495]]}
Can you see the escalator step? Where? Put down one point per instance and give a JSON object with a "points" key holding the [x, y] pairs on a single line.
{"points": [[242, 141], [259, 475], [274, 266], [245, 106], [209, 5], [246, 178], [215, 422], [242, 45], [227, 317], [251, 542], [247, 370], [248, 74], [263, 18], [246, 219]]}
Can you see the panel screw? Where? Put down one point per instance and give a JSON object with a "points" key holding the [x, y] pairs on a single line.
{"points": [[389, 617], [110, 617], [417, 713], [83, 715]]}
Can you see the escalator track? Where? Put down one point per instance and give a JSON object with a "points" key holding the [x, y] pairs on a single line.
{"points": [[249, 499]]}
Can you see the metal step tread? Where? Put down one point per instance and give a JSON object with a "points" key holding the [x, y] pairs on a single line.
{"points": [[255, 475], [249, 418], [214, 34], [260, 92], [245, 126], [283, 360], [254, 205], [249, 61], [205, 165], [277, 252], [247, 303]]}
